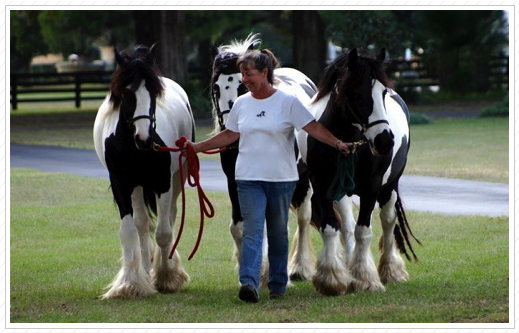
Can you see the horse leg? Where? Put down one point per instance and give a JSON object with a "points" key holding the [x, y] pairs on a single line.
{"points": [[236, 229], [264, 279], [141, 220], [132, 280], [345, 209], [236, 226], [391, 267], [331, 276], [301, 259], [168, 274], [362, 267]]}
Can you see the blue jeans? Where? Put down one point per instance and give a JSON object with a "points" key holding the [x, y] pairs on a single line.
{"points": [[260, 201]]}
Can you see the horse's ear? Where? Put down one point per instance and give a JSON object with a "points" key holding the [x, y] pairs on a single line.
{"points": [[353, 59], [120, 60], [151, 57], [214, 52], [381, 55]]}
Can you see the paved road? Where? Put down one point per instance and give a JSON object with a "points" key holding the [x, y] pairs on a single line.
{"points": [[440, 195]]}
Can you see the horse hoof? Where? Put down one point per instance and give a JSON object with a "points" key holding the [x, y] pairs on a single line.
{"points": [[359, 286], [296, 277]]}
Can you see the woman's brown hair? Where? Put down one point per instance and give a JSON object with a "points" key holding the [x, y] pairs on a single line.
{"points": [[260, 60]]}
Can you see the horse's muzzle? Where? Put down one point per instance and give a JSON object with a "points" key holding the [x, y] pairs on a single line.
{"points": [[143, 144]]}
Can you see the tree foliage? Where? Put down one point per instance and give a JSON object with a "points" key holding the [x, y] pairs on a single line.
{"points": [[367, 29], [458, 44]]}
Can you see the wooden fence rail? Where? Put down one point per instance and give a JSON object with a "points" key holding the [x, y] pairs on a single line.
{"points": [[405, 73], [74, 84]]}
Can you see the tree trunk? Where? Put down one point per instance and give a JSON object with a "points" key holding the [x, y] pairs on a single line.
{"points": [[166, 28], [309, 43]]}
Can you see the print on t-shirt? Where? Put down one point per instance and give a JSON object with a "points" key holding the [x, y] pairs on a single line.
{"points": [[261, 114]]}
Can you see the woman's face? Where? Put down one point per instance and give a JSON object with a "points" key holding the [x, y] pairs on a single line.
{"points": [[253, 79]]}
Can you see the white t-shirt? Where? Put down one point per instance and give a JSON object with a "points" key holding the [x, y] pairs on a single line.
{"points": [[266, 127]]}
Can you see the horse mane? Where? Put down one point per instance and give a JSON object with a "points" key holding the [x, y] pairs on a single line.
{"points": [[339, 79], [227, 55], [132, 72], [240, 47]]}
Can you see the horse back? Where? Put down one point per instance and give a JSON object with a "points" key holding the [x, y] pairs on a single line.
{"points": [[294, 82]]}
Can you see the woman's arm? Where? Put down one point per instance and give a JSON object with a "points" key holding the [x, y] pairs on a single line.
{"points": [[322, 134], [221, 139]]}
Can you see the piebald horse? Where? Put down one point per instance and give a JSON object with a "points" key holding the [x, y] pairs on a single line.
{"points": [[141, 109], [355, 102], [226, 86]]}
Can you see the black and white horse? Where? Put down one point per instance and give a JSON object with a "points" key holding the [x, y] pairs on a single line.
{"points": [[141, 109], [226, 86], [355, 102]]}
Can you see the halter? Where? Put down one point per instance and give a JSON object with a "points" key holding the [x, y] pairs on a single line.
{"points": [[368, 125], [150, 116]]}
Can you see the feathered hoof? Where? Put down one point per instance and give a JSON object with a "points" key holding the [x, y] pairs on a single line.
{"points": [[128, 290], [300, 273], [168, 275], [332, 283], [365, 277], [169, 281], [359, 286], [125, 287], [393, 271]]}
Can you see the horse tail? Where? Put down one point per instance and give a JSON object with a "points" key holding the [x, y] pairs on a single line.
{"points": [[150, 200], [403, 230]]}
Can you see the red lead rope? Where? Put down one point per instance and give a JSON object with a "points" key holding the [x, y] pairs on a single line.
{"points": [[193, 179]]}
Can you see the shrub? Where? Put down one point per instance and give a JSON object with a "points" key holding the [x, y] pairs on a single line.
{"points": [[498, 110], [419, 119]]}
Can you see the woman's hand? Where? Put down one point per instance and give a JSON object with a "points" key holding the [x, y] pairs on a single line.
{"points": [[345, 147], [186, 144], [322, 134]]}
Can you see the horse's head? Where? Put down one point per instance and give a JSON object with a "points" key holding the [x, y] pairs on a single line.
{"points": [[226, 85], [362, 94], [135, 87], [226, 82]]}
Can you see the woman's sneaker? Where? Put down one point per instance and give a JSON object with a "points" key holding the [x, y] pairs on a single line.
{"points": [[248, 294]]}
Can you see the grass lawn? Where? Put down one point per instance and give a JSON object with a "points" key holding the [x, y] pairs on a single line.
{"points": [[64, 249], [473, 148]]}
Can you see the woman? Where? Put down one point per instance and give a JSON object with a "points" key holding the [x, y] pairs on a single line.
{"points": [[264, 120]]}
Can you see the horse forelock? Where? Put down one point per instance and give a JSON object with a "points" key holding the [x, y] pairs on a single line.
{"points": [[239, 47], [338, 77], [131, 75]]}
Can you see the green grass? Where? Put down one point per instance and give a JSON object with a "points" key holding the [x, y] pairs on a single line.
{"points": [[64, 249], [474, 148]]}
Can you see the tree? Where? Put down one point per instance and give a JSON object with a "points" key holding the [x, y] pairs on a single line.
{"points": [[309, 43], [459, 45], [78, 31], [26, 38], [167, 28], [367, 29]]}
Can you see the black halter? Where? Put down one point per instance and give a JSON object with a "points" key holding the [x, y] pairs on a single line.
{"points": [[150, 116], [359, 121]]}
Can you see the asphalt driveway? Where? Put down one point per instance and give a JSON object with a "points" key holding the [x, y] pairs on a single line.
{"points": [[439, 195]]}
